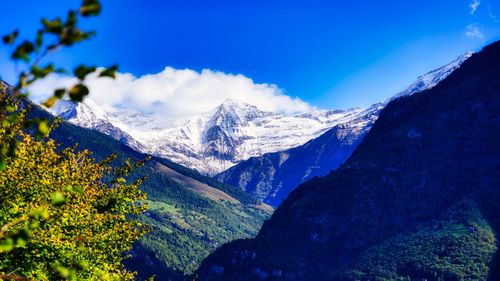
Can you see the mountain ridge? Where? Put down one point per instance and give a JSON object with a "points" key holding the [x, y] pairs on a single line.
{"points": [[417, 199], [272, 176], [213, 142], [210, 143]]}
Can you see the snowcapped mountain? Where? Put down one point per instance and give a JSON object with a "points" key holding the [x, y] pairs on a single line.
{"points": [[210, 143], [90, 115], [229, 134], [234, 132], [432, 78], [272, 176]]}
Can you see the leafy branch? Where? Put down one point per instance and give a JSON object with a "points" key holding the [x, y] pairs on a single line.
{"points": [[52, 36], [63, 33]]}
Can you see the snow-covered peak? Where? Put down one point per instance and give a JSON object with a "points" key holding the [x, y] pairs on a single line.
{"points": [[229, 102], [432, 78], [89, 115], [83, 113], [237, 108], [231, 113]]}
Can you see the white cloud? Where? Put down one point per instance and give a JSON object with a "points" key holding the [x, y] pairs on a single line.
{"points": [[175, 93], [493, 17], [473, 31], [474, 5]]}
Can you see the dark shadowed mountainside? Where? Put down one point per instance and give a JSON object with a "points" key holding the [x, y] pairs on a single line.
{"points": [[417, 200]]}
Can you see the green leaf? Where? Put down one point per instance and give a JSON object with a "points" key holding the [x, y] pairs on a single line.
{"points": [[3, 163], [42, 72], [78, 92], [10, 38], [50, 102], [53, 26], [33, 225], [59, 93], [90, 8], [40, 212], [13, 118], [11, 108], [44, 128], [109, 72], [83, 264], [23, 51], [78, 189], [7, 245], [63, 271], [39, 40], [72, 19], [73, 36], [20, 242], [82, 71], [57, 199], [61, 71]]}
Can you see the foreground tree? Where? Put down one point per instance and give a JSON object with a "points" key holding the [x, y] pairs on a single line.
{"points": [[63, 216]]}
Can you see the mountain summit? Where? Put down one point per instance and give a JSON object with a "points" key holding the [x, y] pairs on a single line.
{"points": [[223, 132]]}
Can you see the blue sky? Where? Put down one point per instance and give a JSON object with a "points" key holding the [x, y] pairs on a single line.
{"points": [[331, 54]]}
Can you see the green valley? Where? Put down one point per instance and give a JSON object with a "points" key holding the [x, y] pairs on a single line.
{"points": [[190, 215]]}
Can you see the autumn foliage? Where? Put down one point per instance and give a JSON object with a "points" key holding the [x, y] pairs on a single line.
{"points": [[62, 215]]}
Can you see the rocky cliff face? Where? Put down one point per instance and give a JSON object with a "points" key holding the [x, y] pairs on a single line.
{"points": [[272, 176], [417, 200]]}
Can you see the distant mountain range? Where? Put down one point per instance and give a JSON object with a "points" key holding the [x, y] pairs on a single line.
{"points": [[418, 199], [231, 133], [272, 176], [210, 143]]}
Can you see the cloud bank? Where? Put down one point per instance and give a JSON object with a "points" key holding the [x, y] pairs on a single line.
{"points": [[473, 31], [175, 93], [474, 5]]}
